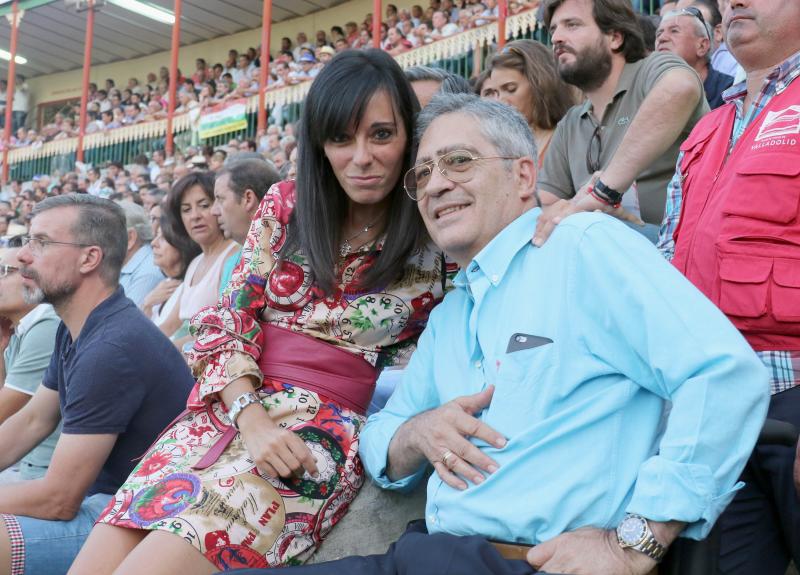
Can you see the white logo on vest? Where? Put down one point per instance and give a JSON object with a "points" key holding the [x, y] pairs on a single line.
{"points": [[782, 123]]}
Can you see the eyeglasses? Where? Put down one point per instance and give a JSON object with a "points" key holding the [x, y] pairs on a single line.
{"points": [[592, 158], [36, 245], [6, 270], [692, 11], [457, 166]]}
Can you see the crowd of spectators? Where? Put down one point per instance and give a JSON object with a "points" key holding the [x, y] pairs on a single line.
{"points": [[197, 219], [116, 104]]}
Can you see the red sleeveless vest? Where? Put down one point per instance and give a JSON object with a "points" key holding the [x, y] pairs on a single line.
{"points": [[738, 239]]}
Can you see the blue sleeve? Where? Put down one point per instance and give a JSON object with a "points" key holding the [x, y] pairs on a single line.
{"points": [[415, 394], [668, 338], [103, 394], [142, 284]]}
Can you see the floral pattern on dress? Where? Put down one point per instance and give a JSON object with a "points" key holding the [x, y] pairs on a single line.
{"points": [[229, 511]]}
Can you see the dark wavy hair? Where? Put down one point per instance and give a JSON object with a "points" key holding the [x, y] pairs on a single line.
{"points": [[336, 103], [612, 16], [187, 248], [173, 202]]}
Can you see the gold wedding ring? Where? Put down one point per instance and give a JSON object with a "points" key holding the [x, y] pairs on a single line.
{"points": [[445, 456]]}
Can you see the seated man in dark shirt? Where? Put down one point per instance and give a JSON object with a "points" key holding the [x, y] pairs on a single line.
{"points": [[113, 379]]}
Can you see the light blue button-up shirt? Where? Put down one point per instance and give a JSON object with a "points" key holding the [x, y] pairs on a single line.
{"points": [[140, 275], [585, 415]]}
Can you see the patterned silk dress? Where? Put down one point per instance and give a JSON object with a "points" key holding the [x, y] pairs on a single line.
{"points": [[230, 512]]}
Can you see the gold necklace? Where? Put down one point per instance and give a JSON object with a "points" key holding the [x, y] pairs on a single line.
{"points": [[346, 247]]}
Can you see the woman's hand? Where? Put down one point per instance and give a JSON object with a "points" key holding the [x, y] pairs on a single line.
{"points": [[160, 294], [277, 452]]}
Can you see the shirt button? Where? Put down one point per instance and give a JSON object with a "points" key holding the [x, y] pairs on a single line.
{"points": [[478, 364], [495, 278], [432, 518], [521, 339]]}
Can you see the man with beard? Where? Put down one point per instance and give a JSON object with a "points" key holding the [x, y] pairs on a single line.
{"points": [[627, 134], [733, 228], [102, 383]]}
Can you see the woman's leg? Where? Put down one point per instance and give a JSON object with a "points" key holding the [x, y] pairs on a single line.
{"points": [[105, 548], [162, 552]]}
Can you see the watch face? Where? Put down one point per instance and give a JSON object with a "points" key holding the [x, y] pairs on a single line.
{"points": [[632, 530]]}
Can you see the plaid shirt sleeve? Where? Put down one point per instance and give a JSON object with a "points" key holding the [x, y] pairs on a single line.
{"points": [[672, 213]]}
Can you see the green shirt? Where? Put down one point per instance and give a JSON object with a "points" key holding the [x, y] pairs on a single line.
{"points": [[27, 357], [565, 168]]}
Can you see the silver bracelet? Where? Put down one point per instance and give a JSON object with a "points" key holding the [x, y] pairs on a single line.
{"points": [[239, 404]]}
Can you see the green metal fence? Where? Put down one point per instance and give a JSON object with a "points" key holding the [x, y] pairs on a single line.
{"points": [[125, 152]]}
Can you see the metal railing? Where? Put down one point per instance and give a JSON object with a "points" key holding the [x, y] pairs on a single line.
{"points": [[464, 53]]}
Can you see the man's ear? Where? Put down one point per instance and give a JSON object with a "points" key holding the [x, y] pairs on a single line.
{"points": [[91, 259], [525, 173], [133, 237], [250, 200], [703, 48], [616, 39]]}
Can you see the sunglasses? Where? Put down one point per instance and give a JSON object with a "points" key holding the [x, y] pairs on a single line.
{"points": [[692, 11]]}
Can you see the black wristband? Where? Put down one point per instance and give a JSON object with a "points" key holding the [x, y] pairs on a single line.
{"points": [[608, 195]]}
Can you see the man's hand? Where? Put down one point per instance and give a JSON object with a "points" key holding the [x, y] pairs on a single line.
{"points": [[589, 551], [553, 214], [441, 436], [277, 452]]}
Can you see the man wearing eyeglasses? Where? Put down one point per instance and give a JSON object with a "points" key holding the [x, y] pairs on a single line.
{"points": [[27, 337], [621, 143], [537, 391], [685, 33], [114, 381], [732, 226]]}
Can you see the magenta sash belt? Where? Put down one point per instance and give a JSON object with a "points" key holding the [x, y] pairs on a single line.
{"points": [[308, 363]]}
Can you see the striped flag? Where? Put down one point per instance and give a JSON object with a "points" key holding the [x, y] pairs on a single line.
{"points": [[223, 118]]}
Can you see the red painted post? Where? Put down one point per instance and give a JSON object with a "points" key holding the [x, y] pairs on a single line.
{"points": [[10, 87], [501, 23], [377, 11], [266, 33], [87, 67], [173, 78]]}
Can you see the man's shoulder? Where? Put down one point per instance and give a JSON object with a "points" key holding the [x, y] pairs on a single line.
{"points": [[573, 229], [43, 329], [659, 62], [122, 326]]}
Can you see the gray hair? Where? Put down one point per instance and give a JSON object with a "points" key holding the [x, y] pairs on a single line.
{"points": [[101, 223], [503, 126], [136, 219], [701, 29], [450, 83]]}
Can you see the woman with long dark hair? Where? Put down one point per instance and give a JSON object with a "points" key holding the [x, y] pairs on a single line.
{"points": [[336, 281], [524, 75]]}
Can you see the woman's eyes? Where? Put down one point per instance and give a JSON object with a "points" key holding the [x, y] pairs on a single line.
{"points": [[383, 134]]}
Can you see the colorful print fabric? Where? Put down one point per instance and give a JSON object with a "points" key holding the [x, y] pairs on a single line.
{"points": [[230, 512]]}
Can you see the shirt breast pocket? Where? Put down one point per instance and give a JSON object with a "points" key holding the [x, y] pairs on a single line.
{"points": [[519, 398]]}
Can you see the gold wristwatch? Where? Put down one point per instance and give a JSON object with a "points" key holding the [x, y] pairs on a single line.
{"points": [[634, 533]]}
